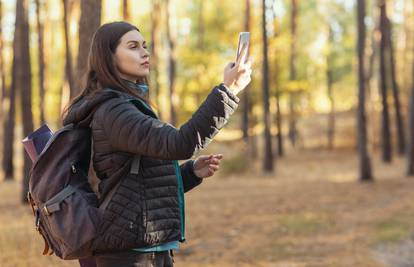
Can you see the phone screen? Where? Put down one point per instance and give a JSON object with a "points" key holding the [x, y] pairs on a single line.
{"points": [[244, 38]]}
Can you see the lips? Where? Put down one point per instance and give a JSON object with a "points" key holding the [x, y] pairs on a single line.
{"points": [[146, 64]]}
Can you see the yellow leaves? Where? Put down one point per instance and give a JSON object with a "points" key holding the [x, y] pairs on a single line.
{"points": [[297, 86]]}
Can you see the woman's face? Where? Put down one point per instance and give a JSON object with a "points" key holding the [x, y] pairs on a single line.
{"points": [[132, 57]]}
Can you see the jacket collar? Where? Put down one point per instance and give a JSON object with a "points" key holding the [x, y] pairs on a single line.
{"points": [[142, 89]]}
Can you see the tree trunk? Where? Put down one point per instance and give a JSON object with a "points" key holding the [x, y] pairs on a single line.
{"points": [[395, 90], [2, 70], [24, 81], [408, 28], [329, 79], [90, 20], [365, 171], [8, 136], [386, 133], [374, 44], [125, 10], [245, 101], [292, 72], [268, 153], [155, 18], [278, 116], [41, 59], [68, 52], [410, 147], [171, 60]]}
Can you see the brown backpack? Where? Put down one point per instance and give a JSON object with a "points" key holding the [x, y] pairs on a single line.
{"points": [[66, 209]]}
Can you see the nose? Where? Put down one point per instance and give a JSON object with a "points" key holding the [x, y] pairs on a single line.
{"points": [[146, 54]]}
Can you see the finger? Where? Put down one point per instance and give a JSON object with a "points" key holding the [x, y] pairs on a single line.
{"points": [[248, 64], [207, 159], [214, 161], [213, 167], [202, 158]]}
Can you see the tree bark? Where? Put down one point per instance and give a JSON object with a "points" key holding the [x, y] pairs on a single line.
{"points": [[68, 52], [395, 90], [268, 153], [329, 79], [365, 171], [125, 10], [410, 146], [278, 116], [41, 59], [292, 72], [9, 123], [385, 131], [2, 70], [24, 82], [90, 20], [171, 37], [245, 107], [155, 18]]}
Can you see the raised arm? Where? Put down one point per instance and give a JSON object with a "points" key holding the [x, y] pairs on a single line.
{"points": [[129, 130]]}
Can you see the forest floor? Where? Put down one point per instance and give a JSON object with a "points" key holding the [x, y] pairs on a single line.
{"points": [[311, 212]]}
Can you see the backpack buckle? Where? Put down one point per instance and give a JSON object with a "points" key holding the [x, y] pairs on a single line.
{"points": [[46, 211], [73, 168], [31, 202]]}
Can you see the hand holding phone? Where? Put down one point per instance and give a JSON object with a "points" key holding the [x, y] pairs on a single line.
{"points": [[237, 74]]}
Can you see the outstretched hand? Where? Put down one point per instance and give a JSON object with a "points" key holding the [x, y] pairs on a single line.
{"points": [[207, 165]]}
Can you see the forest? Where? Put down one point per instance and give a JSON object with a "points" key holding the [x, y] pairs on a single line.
{"points": [[318, 159]]}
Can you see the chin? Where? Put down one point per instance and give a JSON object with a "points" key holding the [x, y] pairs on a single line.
{"points": [[143, 73]]}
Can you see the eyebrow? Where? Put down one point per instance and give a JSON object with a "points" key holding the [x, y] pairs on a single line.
{"points": [[133, 41]]}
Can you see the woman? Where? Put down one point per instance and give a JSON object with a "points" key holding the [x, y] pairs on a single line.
{"points": [[135, 155]]}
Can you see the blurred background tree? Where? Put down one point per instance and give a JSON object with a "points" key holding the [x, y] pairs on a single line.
{"points": [[319, 79]]}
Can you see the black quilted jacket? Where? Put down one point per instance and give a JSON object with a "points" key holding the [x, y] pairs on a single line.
{"points": [[146, 206]]}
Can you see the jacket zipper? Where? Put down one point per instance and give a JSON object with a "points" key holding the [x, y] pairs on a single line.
{"points": [[181, 200]]}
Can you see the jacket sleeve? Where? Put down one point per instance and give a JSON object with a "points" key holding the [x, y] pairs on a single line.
{"points": [[130, 130], [190, 179]]}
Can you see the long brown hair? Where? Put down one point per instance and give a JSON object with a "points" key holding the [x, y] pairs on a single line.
{"points": [[101, 70]]}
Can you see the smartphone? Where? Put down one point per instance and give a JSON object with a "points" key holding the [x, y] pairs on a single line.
{"points": [[244, 38]]}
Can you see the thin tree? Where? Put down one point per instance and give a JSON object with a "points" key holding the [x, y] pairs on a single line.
{"points": [[41, 59], [68, 51], [385, 131], [245, 101], [329, 80], [369, 76], [90, 19], [125, 10], [249, 119], [9, 121], [395, 90], [268, 153], [408, 29], [2, 70], [171, 39], [365, 172], [278, 93], [24, 81], [155, 27], [292, 71], [410, 147]]}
